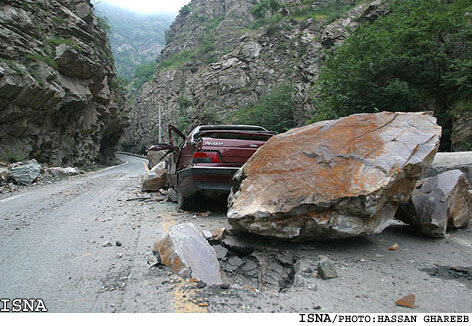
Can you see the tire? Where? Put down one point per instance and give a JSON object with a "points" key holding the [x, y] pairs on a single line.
{"points": [[185, 203]]}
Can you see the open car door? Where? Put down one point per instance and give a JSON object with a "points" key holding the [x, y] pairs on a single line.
{"points": [[177, 140]]}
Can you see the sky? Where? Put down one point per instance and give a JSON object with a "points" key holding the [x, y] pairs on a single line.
{"points": [[148, 6]]}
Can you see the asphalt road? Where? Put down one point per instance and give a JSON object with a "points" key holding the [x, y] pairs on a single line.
{"points": [[52, 247]]}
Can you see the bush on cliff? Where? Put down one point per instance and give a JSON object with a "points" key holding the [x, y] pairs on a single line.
{"points": [[416, 58]]}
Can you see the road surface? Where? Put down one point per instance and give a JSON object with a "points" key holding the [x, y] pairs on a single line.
{"points": [[55, 245]]}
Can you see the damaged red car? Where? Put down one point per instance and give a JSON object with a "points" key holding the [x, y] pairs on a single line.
{"points": [[206, 160]]}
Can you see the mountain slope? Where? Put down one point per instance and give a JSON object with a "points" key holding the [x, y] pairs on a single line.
{"points": [[135, 38], [224, 56]]}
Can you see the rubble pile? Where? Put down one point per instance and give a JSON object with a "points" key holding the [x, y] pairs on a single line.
{"points": [[334, 179], [27, 173]]}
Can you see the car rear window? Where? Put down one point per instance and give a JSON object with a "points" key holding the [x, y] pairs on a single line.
{"points": [[241, 136]]}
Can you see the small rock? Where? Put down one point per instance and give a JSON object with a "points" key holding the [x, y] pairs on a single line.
{"points": [[408, 301], [207, 234], [221, 251], [394, 247], [107, 244], [218, 233], [235, 261], [236, 286], [238, 245], [201, 284], [224, 286], [118, 243], [250, 266], [119, 255], [204, 214], [326, 268]]}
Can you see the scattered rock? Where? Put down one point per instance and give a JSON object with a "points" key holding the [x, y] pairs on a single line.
{"points": [[218, 233], [408, 301], [3, 175], [238, 245], [172, 195], [235, 261], [326, 268], [207, 234], [61, 172], [118, 243], [394, 247], [221, 251], [439, 203], [107, 244], [25, 173], [155, 178], [188, 254], [201, 284], [333, 179]]}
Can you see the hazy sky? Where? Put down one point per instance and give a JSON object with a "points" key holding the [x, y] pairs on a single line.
{"points": [[148, 6]]}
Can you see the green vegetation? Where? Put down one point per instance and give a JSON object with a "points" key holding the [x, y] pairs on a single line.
{"points": [[209, 116], [273, 112], [46, 59], [185, 10], [205, 52], [270, 16], [142, 74], [183, 121], [265, 7], [15, 157], [418, 57], [325, 14]]}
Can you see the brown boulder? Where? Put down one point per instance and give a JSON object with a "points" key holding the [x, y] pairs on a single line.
{"points": [[155, 179], [439, 203], [334, 179]]}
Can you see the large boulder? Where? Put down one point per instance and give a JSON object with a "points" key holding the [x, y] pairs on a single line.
{"points": [[25, 173], [334, 179], [188, 253], [439, 203], [155, 178]]}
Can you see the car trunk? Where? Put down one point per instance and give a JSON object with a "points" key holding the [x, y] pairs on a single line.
{"points": [[234, 146]]}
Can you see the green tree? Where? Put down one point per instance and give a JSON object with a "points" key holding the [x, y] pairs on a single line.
{"points": [[416, 58], [274, 112]]}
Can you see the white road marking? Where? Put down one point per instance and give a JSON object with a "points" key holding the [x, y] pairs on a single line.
{"points": [[11, 198]]}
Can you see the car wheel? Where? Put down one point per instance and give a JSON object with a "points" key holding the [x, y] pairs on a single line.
{"points": [[185, 203]]}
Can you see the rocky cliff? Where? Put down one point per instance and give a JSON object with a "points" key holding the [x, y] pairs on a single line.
{"points": [[223, 55], [59, 101]]}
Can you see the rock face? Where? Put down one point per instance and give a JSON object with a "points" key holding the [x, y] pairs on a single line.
{"points": [[59, 100], [217, 61], [439, 203], [155, 179], [188, 254], [334, 179]]}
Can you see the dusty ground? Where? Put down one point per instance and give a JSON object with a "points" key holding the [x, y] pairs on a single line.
{"points": [[53, 236]]}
